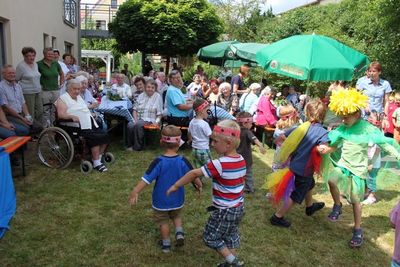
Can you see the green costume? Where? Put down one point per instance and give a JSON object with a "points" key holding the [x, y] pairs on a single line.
{"points": [[348, 165]]}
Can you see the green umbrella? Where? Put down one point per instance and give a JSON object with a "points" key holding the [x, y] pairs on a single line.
{"points": [[313, 58], [247, 51], [218, 53]]}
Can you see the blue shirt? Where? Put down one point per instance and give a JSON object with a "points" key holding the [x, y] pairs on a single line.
{"points": [[174, 98], [247, 101], [375, 92], [237, 79], [292, 99], [166, 171], [316, 135]]}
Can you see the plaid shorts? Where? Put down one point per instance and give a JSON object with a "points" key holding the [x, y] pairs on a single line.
{"points": [[200, 157], [222, 228]]}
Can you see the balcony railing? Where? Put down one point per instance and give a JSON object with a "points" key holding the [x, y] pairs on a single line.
{"points": [[96, 16]]}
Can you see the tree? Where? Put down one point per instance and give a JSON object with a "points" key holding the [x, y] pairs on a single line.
{"points": [[241, 18], [166, 27]]}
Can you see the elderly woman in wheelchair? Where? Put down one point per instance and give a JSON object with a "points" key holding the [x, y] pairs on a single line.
{"points": [[73, 110]]}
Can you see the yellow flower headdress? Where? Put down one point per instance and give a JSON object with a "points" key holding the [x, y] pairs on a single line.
{"points": [[345, 102]]}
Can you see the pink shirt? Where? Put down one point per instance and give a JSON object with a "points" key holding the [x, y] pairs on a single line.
{"points": [[395, 219], [391, 108], [266, 112]]}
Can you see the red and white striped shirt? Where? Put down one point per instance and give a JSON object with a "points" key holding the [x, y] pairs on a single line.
{"points": [[228, 174]]}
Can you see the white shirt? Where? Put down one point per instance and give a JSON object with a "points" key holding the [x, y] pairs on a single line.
{"points": [[148, 108], [123, 90], [200, 132], [79, 108], [64, 68], [193, 88]]}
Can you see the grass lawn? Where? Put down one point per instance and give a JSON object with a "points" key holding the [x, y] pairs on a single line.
{"points": [[65, 218]]}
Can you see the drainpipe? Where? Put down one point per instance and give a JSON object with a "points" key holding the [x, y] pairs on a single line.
{"points": [[79, 32]]}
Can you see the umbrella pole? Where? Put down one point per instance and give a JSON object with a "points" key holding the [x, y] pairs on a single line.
{"points": [[308, 91]]}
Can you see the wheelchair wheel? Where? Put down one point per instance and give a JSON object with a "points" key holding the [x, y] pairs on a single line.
{"points": [[109, 158], [55, 148], [86, 167]]}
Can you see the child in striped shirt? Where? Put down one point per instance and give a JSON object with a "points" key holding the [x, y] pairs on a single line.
{"points": [[227, 173]]}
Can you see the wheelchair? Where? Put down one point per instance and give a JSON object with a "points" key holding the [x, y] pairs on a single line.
{"points": [[58, 145]]}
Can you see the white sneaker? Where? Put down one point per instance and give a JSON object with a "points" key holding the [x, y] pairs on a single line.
{"points": [[129, 149], [369, 200]]}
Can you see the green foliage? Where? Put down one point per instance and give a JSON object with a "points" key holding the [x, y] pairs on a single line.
{"points": [[167, 27], [241, 18], [101, 44], [371, 27], [210, 70], [134, 62]]}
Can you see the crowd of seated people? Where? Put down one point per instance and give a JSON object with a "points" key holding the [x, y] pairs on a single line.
{"points": [[28, 92]]}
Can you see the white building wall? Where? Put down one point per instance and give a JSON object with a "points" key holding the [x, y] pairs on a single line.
{"points": [[26, 21]]}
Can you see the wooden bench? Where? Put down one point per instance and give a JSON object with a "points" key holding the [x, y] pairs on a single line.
{"points": [[152, 134], [13, 143]]}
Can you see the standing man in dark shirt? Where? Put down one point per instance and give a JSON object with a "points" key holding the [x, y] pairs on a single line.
{"points": [[237, 82]]}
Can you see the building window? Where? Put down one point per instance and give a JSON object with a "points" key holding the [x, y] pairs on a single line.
{"points": [[68, 47], [2, 46], [46, 40], [101, 25], [70, 12], [53, 42], [114, 3]]}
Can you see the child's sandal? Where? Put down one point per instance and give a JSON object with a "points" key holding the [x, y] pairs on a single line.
{"points": [[358, 239], [335, 213]]}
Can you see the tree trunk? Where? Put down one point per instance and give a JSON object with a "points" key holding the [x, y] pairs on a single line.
{"points": [[143, 60], [167, 65]]}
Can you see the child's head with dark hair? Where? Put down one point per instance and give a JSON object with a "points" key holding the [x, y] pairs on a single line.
{"points": [[201, 106], [315, 110], [244, 119], [170, 137]]}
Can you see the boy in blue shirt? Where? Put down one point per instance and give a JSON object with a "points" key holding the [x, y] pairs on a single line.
{"points": [[166, 170]]}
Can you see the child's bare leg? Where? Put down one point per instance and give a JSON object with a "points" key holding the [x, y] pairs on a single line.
{"points": [[164, 228], [309, 199], [224, 252], [179, 235], [334, 192], [177, 222], [357, 215], [228, 254], [285, 208]]}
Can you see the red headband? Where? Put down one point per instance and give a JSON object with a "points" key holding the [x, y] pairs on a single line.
{"points": [[170, 139], [226, 131], [245, 119], [202, 106], [374, 122]]}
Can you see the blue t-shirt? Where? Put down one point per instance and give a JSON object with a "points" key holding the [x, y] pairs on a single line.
{"points": [[237, 80], [316, 135], [174, 98], [166, 171], [375, 92]]}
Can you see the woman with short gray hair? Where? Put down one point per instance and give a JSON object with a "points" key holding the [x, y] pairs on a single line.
{"points": [[71, 106]]}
